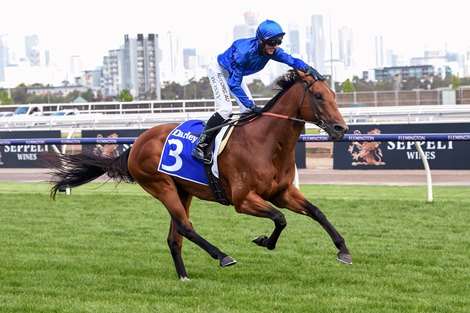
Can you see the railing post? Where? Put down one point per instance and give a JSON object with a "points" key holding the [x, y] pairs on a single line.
{"points": [[426, 168]]}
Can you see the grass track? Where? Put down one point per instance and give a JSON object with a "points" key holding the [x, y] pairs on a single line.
{"points": [[103, 249]]}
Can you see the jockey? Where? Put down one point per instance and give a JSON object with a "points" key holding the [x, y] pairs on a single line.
{"points": [[244, 57]]}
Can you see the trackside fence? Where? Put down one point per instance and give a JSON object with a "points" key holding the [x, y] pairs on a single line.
{"points": [[302, 138], [417, 139]]}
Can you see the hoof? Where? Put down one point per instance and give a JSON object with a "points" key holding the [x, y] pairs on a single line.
{"points": [[184, 279], [261, 241], [227, 261], [345, 258]]}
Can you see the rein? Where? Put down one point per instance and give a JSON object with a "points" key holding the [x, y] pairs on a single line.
{"points": [[318, 123], [246, 118], [286, 117]]}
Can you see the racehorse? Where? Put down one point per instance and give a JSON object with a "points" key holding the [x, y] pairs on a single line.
{"points": [[256, 168]]}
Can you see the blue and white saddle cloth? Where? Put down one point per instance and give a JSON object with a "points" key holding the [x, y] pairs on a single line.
{"points": [[176, 157]]}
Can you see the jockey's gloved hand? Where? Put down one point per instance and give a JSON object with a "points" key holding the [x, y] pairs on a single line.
{"points": [[256, 109], [311, 71]]}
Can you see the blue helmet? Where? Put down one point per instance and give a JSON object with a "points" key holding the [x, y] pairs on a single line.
{"points": [[269, 29]]}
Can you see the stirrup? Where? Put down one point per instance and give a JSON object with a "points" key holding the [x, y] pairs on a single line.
{"points": [[197, 153], [207, 159]]}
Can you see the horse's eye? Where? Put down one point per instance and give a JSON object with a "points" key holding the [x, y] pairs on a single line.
{"points": [[317, 96]]}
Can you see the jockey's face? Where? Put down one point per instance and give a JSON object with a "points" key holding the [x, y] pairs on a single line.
{"points": [[271, 45], [269, 50]]}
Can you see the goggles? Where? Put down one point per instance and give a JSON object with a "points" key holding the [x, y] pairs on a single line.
{"points": [[273, 42]]}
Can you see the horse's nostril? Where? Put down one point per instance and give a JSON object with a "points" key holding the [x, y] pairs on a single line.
{"points": [[340, 128]]}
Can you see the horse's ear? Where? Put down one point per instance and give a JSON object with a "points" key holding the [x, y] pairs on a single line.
{"points": [[299, 74], [302, 76]]}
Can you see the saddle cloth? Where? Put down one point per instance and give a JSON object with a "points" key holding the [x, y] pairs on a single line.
{"points": [[176, 157]]}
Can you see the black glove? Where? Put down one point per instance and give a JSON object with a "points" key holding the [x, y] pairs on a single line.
{"points": [[256, 109], [311, 71]]}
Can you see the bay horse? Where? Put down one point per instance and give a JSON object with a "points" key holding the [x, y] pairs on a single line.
{"points": [[256, 168]]}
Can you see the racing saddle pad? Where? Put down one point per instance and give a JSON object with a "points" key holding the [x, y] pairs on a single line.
{"points": [[176, 157]]}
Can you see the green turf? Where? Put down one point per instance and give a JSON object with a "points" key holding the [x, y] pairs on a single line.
{"points": [[103, 249]]}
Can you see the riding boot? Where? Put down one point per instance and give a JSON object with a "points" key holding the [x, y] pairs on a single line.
{"points": [[199, 151]]}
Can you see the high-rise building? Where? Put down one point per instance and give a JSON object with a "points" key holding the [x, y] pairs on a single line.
{"points": [[189, 59], [112, 80], [32, 50], [141, 66], [379, 51], [248, 29], [316, 43], [345, 37], [294, 39], [75, 66], [3, 59], [92, 79]]}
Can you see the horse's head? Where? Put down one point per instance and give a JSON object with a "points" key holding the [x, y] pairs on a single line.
{"points": [[319, 106]]}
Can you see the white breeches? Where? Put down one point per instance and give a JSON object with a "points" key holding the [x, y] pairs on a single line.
{"points": [[223, 104]]}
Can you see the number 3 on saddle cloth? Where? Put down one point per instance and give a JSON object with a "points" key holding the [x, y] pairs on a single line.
{"points": [[177, 161]]}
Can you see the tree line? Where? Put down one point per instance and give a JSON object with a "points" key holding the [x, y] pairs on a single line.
{"points": [[201, 89]]}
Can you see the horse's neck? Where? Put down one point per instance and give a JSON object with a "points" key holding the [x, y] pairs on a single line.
{"points": [[277, 128], [288, 105]]}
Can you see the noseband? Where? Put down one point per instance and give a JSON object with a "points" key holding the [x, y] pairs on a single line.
{"points": [[314, 104]]}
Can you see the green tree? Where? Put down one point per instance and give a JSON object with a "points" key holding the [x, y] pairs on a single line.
{"points": [[455, 81], [348, 86], [5, 98], [172, 91], [99, 96], [205, 89], [465, 81], [438, 82], [362, 85], [88, 95], [259, 89], [19, 94], [385, 85], [72, 96], [190, 90], [411, 83], [125, 96]]}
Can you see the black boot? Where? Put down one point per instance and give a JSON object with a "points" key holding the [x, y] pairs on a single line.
{"points": [[199, 151]]}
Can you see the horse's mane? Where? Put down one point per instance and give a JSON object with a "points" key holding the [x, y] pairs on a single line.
{"points": [[282, 84]]}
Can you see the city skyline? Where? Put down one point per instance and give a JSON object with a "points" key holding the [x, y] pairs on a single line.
{"points": [[408, 29]]}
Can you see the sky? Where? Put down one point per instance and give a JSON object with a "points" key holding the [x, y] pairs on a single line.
{"points": [[90, 28]]}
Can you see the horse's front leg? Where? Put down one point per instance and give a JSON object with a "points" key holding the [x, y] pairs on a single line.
{"points": [[293, 200], [256, 206], [315, 213]]}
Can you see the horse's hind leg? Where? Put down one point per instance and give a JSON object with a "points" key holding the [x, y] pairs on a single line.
{"points": [[175, 243], [185, 228], [175, 240], [177, 204]]}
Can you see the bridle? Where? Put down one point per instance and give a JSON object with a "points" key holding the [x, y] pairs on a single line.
{"points": [[243, 119], [313, 102]]}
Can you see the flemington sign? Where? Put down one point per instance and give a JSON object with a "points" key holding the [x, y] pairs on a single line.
{"points": [[450, 152], [445, 146]]}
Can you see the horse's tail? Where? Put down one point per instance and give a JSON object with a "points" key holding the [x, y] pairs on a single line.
{"points": [[74, 170]]}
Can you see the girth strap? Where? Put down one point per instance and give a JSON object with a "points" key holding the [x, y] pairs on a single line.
{"points": [[213, 181], [214, 184]]}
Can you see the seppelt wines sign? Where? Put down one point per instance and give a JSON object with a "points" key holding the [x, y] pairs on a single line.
{"points": [[403, 154], [25, 155]]}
